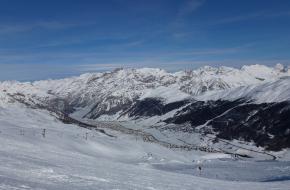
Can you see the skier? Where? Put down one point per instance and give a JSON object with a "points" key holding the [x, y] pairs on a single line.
{"points": [[43, 133], [199, 168], [199, 163]]}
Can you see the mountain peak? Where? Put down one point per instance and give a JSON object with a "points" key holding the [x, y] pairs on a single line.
{"points": [[281, 68]]}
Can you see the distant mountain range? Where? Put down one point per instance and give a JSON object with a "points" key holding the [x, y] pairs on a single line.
{"points": [[249, 105]]}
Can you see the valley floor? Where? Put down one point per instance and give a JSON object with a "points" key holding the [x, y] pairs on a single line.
{"points": [[68, 157]]}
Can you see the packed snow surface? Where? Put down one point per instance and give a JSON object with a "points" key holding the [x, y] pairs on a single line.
{"points": [[65, 156]]}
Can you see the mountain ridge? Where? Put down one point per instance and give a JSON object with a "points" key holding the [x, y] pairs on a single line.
{"points": [[173, 101]]}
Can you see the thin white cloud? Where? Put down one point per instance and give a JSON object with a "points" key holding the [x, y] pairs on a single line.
{"points": [[174, 66], [189, 7], [28, 56], [256, 15], [183, 12], [48, 25]]}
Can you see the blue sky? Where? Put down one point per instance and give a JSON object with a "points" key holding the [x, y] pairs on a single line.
{"points": [[59, 38]]}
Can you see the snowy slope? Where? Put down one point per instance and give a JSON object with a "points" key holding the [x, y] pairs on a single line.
{"points": [[276, 91], [65, 159]]}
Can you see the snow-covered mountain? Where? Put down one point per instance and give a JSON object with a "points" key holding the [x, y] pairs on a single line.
{"points": [[92, 131], [39, 152], [102, 92], [195, 99]]}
